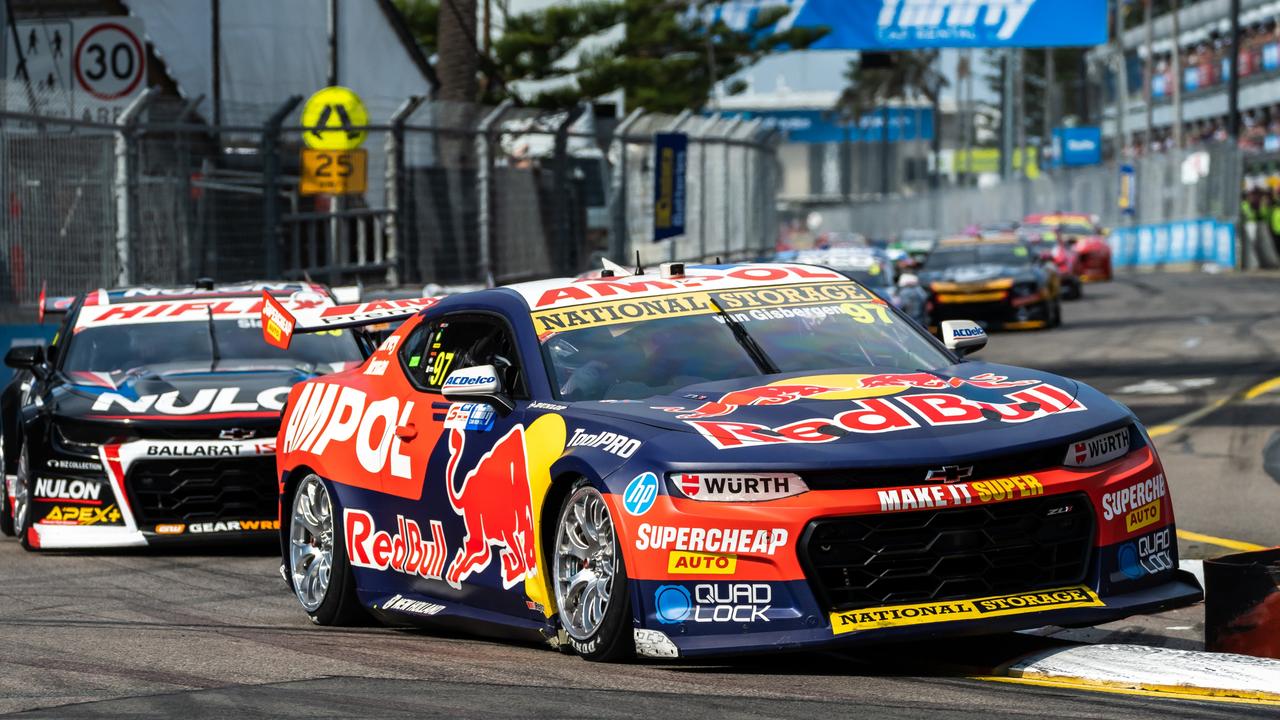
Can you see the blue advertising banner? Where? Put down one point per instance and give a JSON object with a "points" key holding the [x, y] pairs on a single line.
{"points": [[1077, 146], [911, 24], [823, 126], [1190, 241], [670, 156]]}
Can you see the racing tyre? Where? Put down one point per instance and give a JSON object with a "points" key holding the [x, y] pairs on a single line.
{"points": [[591, 579], [21, 501], [6, 509], [318, 569]]}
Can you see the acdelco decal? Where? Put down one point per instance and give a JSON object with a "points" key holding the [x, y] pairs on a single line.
{"points": [[408, 551], [879, 415], [332, 413], [940, 496], [1140, 503], [710, 540], [210, 400], [950, 611]]}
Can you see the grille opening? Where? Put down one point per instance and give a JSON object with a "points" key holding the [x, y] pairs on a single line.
{"points": [[187, 491], [949, 553]]}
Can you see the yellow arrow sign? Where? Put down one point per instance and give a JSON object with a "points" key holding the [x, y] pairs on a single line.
{"points": [[334, 119]]}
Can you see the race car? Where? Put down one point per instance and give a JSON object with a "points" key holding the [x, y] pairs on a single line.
{"points": [[998, 281], [1049, 243], [151, 417], [707, 460], [874, 270], [1082, 234]]}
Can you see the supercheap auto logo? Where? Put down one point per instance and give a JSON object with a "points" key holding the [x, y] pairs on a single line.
{"points": [[952, 610]]}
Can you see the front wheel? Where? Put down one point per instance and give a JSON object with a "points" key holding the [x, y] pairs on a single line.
{"points": [[591, 579], [318, 569]]}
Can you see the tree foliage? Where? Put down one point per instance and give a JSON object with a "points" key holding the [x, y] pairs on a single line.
{"points": [[874, 80]]}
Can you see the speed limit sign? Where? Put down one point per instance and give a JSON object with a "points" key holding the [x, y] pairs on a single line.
{"points": [[109, 61]]}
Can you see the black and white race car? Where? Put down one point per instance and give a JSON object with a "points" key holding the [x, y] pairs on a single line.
{"points": [[152, 416]]}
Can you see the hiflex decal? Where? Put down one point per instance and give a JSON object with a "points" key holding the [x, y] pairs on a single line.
{"points": [[713, 603], [884, 414], [953, 610], [1139, 503], [640, 493]]}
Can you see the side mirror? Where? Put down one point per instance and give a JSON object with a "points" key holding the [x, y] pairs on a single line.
{"points": [[963, 337], [908, 280], [477, 384], [24, 357]]}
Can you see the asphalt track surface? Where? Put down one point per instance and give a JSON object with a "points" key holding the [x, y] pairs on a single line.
{"points": [[169, 634]]}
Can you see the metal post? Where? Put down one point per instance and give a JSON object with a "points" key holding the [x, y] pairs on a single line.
{"points": [[560, 199], [1177, 78], [724, 187], [397, 193], [332, 28], [675, 127], [1148, 69], [484, 187], [270, 177], [703, 133], [1006, 118], [1122, 82], [1233, 84], [215, 40], [618, 197], [124, 182]]}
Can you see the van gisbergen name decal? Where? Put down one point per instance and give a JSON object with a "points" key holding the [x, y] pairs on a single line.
{"points": [[697, 303], [952, 610]]}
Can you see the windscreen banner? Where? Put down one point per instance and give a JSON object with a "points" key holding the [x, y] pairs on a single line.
{"points": [[913, 24]]}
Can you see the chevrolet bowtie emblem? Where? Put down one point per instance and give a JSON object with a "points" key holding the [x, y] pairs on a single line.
{"points": [[236, 434], [949, 474]]}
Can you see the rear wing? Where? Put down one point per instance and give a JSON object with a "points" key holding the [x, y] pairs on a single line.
{"points": [[279, 325], [56, 305]]}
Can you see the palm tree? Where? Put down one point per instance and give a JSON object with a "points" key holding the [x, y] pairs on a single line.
{"points": [[876, 79]]}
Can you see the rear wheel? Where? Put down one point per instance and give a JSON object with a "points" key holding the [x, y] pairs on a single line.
{"points": [[6, 507], [318, 569], [21, 501], [590, 578]]}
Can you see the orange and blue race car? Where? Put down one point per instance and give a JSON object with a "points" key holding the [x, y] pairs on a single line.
{"points": [[707, 460]]}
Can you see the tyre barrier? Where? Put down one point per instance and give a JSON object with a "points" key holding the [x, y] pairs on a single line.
{"points": [[1242, 603]]}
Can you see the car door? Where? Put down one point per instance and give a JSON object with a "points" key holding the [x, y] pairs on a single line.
{"points": [[475, 486]]}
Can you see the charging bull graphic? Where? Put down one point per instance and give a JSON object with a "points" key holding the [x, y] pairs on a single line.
{"points": [[765, 395], [494, 502]]}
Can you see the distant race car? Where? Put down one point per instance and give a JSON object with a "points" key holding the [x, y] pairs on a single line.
{"points": [[999, 281], [1049, 243], [708, 460], [1086, 237], [876, 272], [152, 416]]}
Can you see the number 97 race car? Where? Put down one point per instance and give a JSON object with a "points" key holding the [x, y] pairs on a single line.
{"points": [[707, 460]]}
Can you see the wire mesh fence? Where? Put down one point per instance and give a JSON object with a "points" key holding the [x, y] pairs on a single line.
{"points": [[455, 194], [1202, 183]]}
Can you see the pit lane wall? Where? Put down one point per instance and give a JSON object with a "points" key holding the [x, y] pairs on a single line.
{"points": [[1191, 243]]}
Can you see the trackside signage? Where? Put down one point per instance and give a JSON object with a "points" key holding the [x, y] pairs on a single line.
{"points": [[952, 610]]}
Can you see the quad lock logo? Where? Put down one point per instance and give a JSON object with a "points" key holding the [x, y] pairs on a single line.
{"points": [[1148, 555], [713, 603]]}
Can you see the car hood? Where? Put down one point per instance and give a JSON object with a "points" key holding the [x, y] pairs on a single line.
{"points": [[176, 392], [975, 274], [967, 410]]}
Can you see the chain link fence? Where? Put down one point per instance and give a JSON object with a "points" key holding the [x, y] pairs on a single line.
{"points": [[1203, 183], [456, 194]]}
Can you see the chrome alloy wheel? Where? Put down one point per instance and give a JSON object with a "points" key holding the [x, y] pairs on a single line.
{"points": [[586, 557], [21, 493], [311, 542]]}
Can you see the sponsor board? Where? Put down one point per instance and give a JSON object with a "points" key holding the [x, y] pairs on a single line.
{"points": [[965, 493], [81, 515], [1139, 503], [1098, 449], [738, 487], [713, 603], [953, 610], [742, 541], [680, 562]]}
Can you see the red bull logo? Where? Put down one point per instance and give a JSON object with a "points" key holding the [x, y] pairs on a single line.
{"points": [[764, 395], [929, 381], [493, 500]]}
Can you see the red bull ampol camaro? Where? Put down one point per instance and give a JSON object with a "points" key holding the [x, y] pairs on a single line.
{"points": [[706, 460]]}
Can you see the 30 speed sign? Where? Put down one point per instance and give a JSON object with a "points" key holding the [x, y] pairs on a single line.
{"points": [[109, 61]]}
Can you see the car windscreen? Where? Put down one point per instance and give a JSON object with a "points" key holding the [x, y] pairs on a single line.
{"points": [[952, 257], [873, 277], [123, 347], [644, 358]]}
